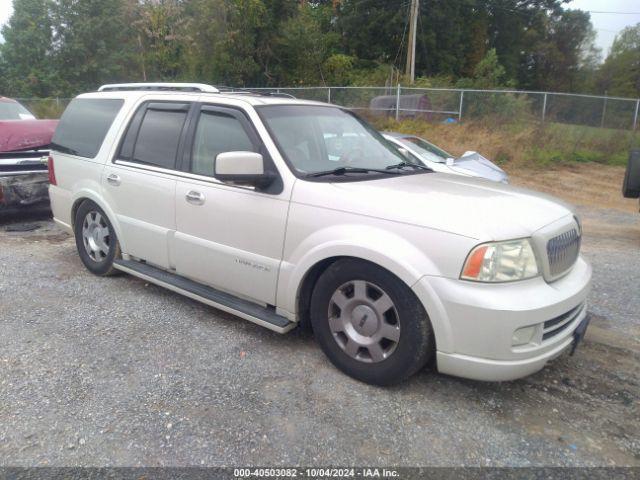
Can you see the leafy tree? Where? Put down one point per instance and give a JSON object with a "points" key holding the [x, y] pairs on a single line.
{"points": [[561, 52], [165, 38], [208, 30], [488, 74], [66, 46], [338, 69], [372, 30], [303, 48], [94, 43], [446, 31], [510, 22], [26, 54], [620, 74], [237, 59]]}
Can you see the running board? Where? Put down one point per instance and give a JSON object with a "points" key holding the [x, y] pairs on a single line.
{"points": [[260, 315]]}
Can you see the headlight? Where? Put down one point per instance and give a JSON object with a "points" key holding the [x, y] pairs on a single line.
{"points": [[501, 262]]}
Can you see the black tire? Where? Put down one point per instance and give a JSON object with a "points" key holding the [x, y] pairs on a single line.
{"points": [[101, 263], [415, 346]]}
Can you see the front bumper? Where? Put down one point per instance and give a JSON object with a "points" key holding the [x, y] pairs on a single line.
{"points": [[24, 190], [474, 323]]}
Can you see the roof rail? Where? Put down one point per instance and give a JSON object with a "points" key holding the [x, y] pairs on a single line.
{"points": [[253, 91], [185, 87]]}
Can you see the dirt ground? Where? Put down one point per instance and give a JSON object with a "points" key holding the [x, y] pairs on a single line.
{"points": [[114, 371], [589, 184]]}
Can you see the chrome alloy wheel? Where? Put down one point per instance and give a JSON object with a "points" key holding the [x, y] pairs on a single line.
{"points": [[364, 321], [95, 236]]}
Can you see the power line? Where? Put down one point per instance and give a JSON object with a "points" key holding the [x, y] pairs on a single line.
{"points": [[404, 32], [612, 13]]}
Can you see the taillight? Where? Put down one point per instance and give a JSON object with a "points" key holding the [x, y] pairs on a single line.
{"points": [[52, 172]]}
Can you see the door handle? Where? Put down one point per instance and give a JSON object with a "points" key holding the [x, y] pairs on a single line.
{"points": [[113, 179], [195, 198]]}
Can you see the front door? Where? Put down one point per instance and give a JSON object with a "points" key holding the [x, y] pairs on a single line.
{"points": [[228, 237]]}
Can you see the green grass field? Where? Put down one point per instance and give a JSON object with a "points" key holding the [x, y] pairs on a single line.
{"points": [[528, 144]]}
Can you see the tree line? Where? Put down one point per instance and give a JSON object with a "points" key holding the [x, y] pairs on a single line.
{"points": [[63, 47]]}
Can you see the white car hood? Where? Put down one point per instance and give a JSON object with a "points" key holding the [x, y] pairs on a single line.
{"points": [[467, 206]]}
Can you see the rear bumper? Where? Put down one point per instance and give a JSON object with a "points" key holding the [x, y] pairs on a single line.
{"points": [[476, 324]]}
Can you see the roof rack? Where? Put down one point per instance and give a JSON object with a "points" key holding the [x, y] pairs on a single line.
{"points": [[189, 87], [185, 87], [251, 91]]}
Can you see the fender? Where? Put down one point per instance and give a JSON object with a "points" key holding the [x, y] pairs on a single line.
{"points": [[382, 247]]}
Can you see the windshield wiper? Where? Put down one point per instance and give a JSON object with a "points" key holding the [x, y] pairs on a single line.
{"points": [[400, 165], [343, 170]]}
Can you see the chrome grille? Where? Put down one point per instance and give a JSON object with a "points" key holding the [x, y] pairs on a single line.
{"points": [[562, 251]]}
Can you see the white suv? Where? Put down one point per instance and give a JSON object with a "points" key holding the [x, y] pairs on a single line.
{"points": [[285, 212]]}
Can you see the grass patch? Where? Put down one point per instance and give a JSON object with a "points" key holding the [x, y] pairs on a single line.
{"points": [[524, 144]]}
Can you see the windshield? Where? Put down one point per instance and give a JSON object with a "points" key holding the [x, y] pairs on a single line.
{"points": [[425, 149], [14, 111], [318, 139]]}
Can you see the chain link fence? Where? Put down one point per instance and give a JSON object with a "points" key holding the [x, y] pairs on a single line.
{"points": [[446, 105], [457, 105]]}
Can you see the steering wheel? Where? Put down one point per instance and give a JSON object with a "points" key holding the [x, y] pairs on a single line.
{"points": [[351, 156]]}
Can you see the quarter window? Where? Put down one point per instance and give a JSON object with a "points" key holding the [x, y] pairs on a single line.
{"points": [[216, 133], [84, 124]]}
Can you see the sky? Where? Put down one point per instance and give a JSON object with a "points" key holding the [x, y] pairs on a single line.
{"points": [[5, 12], [606, 24]]}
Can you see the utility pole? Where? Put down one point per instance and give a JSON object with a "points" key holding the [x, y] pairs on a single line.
{"points": [[411, 48]]}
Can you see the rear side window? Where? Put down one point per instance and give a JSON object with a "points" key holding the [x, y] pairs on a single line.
{"points": [[155, 140], [84, 124]]}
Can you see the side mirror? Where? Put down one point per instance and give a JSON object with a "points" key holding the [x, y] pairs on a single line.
{"points": [[631, 184], [242, 168]]}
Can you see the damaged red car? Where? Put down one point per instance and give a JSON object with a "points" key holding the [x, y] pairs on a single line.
{"points": [[24, 149]]}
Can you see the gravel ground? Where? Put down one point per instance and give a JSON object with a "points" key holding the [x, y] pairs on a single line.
{"points": [[117, 372]]}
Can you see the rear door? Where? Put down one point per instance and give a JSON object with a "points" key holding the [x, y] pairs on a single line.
{"points": [[229, 237], [140, 183]]}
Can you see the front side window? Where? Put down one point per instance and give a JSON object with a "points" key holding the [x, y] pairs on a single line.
{"points": [[317, 139], [216, 133], [159, 135], [84, 124]]}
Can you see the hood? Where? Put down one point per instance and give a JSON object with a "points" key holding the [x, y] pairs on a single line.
{"points": [[468, 206], [25, 134], [472, 163]]}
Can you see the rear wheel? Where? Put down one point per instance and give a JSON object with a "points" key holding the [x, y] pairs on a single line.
{"points": [[369, 323], [96, 239]]}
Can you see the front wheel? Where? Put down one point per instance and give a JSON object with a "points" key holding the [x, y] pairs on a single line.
{"points": [[96, 239], [369, 323]]}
